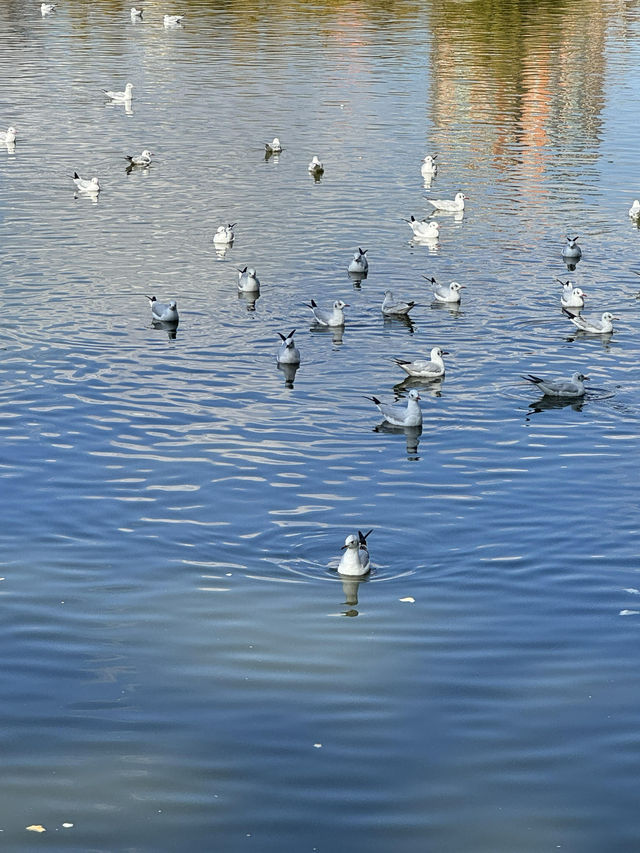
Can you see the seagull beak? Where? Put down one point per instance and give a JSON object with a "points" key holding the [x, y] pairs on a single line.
{"points": [[343, 547], [445, 352]]}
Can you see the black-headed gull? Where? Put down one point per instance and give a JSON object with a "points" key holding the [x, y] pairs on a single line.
{"points": [[224, 234], [143, 159], [163, 312], [571, 251], [429, 167], [47, 8], [86, 186], [9, 137], [335, 317], [445, 294], [172, 20], [273, 147], [315, 166], [248, 281], [399, 414], [603, 326], [634, 210], [359, 263], [454, 205], [391, 308], [572, 297], [355, 560], [136, 14], [121, 97], [423, 369], [288, 352], [424, 229], [573, 387]]}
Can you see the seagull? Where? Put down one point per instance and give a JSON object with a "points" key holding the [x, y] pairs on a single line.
{"points": [[273, 147], [136, 14], [86, 186], [172, 20], [424, 229], [573, 298], [143, 159], [47, 8], [408, 415], [572, 251], [445, 294], [163, 312], [595, 327], [224, 234], [248, 281], [359, 263], [452, 206], [573, 387], [9, 137], [429, 167], [423, 369], [355, 560], [288, 352], [315, 167], [120, 97], [391, 308], [335, 317], [634, 210]]}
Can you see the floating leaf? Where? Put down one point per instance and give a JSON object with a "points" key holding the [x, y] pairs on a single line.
{"points": [[36, 827], [409, 598]]}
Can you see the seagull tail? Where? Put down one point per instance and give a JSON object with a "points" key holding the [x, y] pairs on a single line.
{"points": [[373, 399]]}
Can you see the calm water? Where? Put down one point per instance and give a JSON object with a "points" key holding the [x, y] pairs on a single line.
{"points": [[183, 669]]}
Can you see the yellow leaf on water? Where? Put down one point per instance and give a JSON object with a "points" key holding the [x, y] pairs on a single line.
{"points": [[410, 599], [36, 827]]}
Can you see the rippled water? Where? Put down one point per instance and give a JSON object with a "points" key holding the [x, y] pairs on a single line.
{"points": [[179, 671]]}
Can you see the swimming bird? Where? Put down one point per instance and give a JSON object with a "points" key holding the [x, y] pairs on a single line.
{"points": [[573, 298], [450, 205], [315, 167], [248, 281], [424, 229], [355, 560], [359, 264], [224, 233], [595, 327], [163, 312], [86, 186], [335, 317], [288, 352], [9, 137], [136, 14], [571, 251], [143, 159], [423, 369], [391, 308], [634, 210], [408, 415], [121, 97], [429, 167], [273, 147], [573, 387], [445, 294], [172, 20], [47, 8]]}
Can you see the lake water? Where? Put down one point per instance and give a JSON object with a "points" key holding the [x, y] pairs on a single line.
{"points": [[183, 667]]}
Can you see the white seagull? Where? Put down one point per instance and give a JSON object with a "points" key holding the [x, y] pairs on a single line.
{"points": [[424, 229], [86, 186], [172, 20], [47, 8], [136, 14], [595, 327], [273, 147], [335, 317], [248, 281], [359, 263], [445, 294], [408, 415], [449, 205], [423, 369], [224, 234], [634, 210], [391, 308], [288, 352], [571, 251], [573, 298], [355, 561], [163, 312], [121, 97], [315, 166], [143, 159], [429, 166], [573, 387], [9, 137]]}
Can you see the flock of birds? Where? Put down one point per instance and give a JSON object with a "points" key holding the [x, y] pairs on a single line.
{"points": [[355, 559]]}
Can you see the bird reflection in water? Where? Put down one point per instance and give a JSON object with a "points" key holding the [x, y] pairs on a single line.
{"points": [[336, 332], [350, 588], [399, 320], [545, 403], [250, 298], [412, 435], [289, 371], [432, 387], [170, 328]]}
